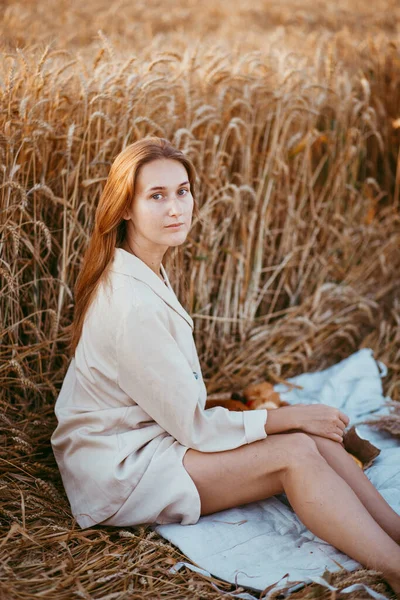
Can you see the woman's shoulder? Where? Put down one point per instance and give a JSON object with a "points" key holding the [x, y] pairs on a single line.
{"points": [[121, 294]]}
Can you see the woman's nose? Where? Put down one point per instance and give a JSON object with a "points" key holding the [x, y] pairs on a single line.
{"points": [[174, 207]]}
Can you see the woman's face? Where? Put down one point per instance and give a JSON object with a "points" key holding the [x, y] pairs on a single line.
{"points": [[153, 210]]}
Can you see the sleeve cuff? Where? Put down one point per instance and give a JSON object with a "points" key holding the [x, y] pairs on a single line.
{"points": [[254, 424]]}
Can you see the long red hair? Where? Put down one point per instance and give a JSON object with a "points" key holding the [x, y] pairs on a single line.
{"points": [[109, 227]]}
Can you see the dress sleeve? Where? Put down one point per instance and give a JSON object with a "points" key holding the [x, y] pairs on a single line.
{"points": [[154, 372]]}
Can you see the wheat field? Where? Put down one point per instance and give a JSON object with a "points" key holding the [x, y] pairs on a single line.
{"points": [[291, 115]]}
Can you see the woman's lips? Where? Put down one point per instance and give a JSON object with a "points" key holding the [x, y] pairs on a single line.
{"points": [[175, 226]]}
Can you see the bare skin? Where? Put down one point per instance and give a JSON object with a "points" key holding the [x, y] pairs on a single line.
{"points": [[313, 472]]}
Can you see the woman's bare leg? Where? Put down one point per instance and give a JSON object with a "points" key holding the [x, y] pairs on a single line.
{"points": [[341, 461], [323, 501], [328, 506]]}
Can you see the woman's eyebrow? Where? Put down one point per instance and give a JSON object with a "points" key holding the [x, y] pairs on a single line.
{"points": [[162, 187]]}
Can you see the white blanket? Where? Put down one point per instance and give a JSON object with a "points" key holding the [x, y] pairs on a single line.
{"points": [[264, 543]]}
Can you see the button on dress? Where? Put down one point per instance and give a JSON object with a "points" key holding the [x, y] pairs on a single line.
{"points": [[133, 402]]}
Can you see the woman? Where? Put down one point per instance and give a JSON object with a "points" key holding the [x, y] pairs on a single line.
{"points": [[134, 442]]}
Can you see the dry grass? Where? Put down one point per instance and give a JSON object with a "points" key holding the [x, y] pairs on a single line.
{"points": [[293, 266]]}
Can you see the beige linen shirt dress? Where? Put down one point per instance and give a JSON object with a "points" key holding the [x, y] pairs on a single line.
{"points": [[133, 402]]}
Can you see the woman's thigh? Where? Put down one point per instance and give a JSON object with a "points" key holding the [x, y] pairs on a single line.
{"points": [[246, 474]]}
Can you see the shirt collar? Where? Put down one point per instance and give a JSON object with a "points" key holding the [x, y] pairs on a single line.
{"points": [[129, 264]]}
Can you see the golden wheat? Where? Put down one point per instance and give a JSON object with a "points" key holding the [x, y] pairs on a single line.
{"points": [[292, 265]]}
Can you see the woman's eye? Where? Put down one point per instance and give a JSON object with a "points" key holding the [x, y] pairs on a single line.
{"points": [[181, 190]]}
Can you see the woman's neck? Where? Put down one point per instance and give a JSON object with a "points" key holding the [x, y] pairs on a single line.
{"points": [[156, 269]]}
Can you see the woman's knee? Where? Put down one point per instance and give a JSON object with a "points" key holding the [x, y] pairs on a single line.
{"points": [[302, 449], [301, 440]]}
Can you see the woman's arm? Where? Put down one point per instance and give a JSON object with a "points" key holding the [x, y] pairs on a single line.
{"points": [[281, 419], [155, 373], [317, 419]]}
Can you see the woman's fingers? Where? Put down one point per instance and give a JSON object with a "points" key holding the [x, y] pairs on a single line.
{"points": [[339, 431]]}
